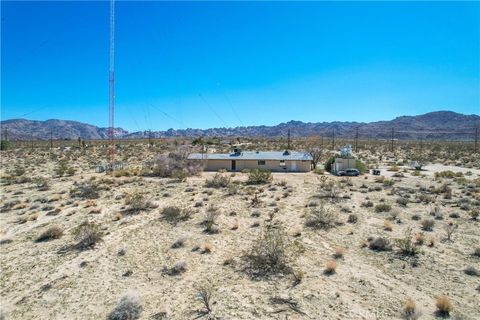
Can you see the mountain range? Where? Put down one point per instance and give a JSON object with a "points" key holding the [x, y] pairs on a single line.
{"points": [[434, 125]]}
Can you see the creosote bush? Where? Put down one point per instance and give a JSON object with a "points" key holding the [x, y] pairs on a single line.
{"points": [[87, 235], [128, 308], [175, 214], [85, 190], [136, 201], [321, 217], [218, 181], [257, 176], [268, 254], [382, 207]]}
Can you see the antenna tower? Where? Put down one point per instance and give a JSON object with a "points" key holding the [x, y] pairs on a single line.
{"points": [[111, 123]]}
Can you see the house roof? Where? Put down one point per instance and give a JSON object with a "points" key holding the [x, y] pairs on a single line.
{"points": [[252, 155]]}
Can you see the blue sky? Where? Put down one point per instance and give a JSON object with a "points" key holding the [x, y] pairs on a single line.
{"points": [[215, 64]]}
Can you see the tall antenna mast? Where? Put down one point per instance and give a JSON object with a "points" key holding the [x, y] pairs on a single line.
{"points": [[111, 123]]}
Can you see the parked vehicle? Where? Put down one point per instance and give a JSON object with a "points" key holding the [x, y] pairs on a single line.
{"points": [[376, 172], [349, 172]]}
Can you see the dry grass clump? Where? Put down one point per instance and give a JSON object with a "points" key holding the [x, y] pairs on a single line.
{"points": [[128, 308], [444, 305], [51, 233], [387, 225], [218, 181], [410, 310], [175, 214], [427, 224], [339, 252], [330, 267], [87, 235], [268, 254], [321, 217]]}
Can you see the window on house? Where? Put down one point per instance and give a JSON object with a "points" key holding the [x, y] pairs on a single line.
{"points": [[282, 163], [261, 162]]}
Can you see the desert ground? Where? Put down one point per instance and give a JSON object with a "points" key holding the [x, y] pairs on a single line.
{"points": [[222, 245]]}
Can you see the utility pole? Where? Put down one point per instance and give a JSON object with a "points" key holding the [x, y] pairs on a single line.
{"points": [[6, 133], [288, 140], [476, 139], [333, 139], [111, 124], [321, 137], [149, 138], [51, 138], [391, 148], [356, 139], [421, 145]]}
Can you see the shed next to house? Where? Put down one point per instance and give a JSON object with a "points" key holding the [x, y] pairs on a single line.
{"points": [[275, 161]]}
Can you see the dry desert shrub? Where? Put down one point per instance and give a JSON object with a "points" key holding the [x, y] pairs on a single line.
{"points": [[387, 225], [218, 181], [85, 190], [427, 224], [471, 271], [174, 214], [339, 252], [87, 235], [268, 254], [128, 308], [174, 165], [321, 217], [136, 201], [51, 233], [205, 293], [257, 176], [444, 305], [379, 244], [407, 245], [410, 310], [330, 267], [382, 207], [178, 268]]}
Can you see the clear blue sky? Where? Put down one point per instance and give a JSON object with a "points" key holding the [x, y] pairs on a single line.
{"points": [[252, 63]]}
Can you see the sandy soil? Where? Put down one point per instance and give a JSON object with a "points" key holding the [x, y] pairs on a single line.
{"points": [[47, 280]]}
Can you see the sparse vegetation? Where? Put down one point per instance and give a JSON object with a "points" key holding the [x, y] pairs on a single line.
{"points": [[87, 235], [54, 232], [128, 308], [268, 254]]}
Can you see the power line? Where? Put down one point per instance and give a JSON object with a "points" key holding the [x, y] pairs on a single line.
{"points": [[168, 115], [213, 110]]}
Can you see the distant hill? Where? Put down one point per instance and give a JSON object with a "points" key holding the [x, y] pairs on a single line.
{"points": [[22, 129], [434, 125]]}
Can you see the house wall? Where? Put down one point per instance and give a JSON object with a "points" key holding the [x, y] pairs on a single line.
{"points": [[272, 165], [343, 163]]}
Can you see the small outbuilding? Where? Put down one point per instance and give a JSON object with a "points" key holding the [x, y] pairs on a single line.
{"points": [[238, 160]]}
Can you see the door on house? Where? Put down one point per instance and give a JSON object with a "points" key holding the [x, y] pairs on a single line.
{"points": [[234, 165], [293, 167]]}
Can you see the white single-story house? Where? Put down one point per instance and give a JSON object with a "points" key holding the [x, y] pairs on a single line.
{"points": [[275, 161]]}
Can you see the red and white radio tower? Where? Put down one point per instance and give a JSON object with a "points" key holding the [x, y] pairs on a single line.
{"points": [[111, 133]]}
